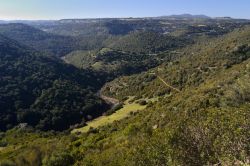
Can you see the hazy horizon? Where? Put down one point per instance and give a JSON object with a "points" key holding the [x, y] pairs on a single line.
{"points": [[116, 17], [83, 9]]}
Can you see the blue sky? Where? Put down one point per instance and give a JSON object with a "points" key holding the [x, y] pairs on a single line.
{"points": [[59, 9]]}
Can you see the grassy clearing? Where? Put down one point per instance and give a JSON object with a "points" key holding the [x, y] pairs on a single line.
{"points": [[118, 115]]}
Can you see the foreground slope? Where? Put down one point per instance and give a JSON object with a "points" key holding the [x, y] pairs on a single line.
{"points": [[206, 123]]}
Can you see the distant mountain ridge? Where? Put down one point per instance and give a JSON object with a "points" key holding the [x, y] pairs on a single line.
{"points": [[188, 16], [86, 20]]}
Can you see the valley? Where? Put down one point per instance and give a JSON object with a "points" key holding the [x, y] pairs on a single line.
{"points": [[170, 90], [126, 110]]}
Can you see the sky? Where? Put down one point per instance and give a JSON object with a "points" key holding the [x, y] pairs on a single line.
{"points": [[61, 9]]}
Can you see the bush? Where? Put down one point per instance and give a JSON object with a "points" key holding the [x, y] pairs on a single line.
{"points": [[93, 130], [7, 163], [142, 102], [3, 144], [59, 159], [114, 109], [125, 98]]}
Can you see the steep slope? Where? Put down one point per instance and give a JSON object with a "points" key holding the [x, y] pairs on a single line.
{"points": [[206, 123], [43, 91], [195, 64]]}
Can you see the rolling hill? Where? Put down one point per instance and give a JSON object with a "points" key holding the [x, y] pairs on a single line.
{"points": [[148, 42], [114, 62], [37, 39]]}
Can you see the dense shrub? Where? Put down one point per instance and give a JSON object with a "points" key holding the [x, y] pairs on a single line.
{"points": [[59, 159]]}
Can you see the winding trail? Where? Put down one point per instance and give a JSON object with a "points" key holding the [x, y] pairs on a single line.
{"points": [[168, 84], [164, 82]]}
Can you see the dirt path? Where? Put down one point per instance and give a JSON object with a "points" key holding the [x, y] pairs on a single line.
{"points": [[168, 85], [109, 100]]}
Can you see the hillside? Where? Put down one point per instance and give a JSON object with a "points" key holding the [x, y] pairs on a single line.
{"points": [[128, 54], [43, 91], [196, 63], [148, 42], [114, 62], [205, 124]]}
